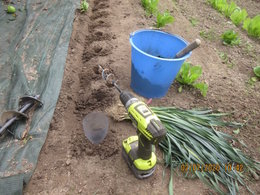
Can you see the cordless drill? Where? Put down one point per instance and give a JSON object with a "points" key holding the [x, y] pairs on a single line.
{"points": [[138, 151]]}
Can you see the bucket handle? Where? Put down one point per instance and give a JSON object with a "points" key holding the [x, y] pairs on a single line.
{"points": [[131, 34]]}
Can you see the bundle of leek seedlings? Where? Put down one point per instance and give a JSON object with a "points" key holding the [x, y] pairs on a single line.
{"points": [[192, 138]]}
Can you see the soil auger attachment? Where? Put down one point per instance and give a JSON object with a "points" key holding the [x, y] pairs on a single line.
{"points": [[26, 103]]}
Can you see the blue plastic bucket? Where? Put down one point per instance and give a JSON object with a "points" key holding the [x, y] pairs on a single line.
{"points": [[153, 67]]}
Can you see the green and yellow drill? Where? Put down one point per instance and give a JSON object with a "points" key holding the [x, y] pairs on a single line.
{"points": [[138, 151]]}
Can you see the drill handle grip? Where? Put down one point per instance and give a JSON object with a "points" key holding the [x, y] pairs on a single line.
{"points": [[144, 147]]}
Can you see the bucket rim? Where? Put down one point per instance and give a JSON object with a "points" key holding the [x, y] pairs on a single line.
{"points": [[162, 32]]}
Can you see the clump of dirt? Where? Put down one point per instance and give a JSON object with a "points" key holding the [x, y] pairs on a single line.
{"points": [[98, 35], [99, 14], [100, 5], [86, 76], [94, 92], [117, 111], [98, 48], [81, 146], [98, 24], [98, 98], [6, 2]]}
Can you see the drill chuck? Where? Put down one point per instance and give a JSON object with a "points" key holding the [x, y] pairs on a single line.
{"points": [[127, 99]]}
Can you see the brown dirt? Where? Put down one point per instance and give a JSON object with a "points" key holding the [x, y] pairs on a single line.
{"points": [[70, 164]]}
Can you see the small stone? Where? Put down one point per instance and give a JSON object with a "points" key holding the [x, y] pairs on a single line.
{"points": [[75, 111], [68, 162], [80, 191]]}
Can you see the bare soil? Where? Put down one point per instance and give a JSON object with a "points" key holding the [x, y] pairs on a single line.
{"points": [[70, 164]]}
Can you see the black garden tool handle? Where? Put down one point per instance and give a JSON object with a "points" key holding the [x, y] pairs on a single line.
{"points": [[189, 48]]}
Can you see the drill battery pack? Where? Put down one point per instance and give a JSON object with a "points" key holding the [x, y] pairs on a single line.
{"points": [[142, 168]]}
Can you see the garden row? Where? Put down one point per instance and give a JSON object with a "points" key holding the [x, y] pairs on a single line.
{"points": [[238, 16]]}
